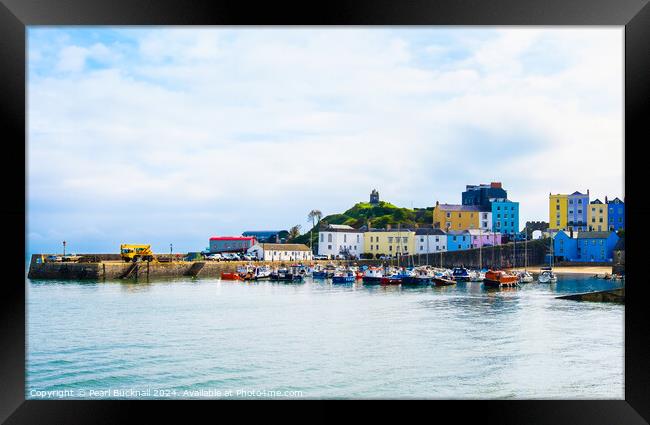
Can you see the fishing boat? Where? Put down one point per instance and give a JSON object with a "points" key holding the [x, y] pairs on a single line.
{"points": [[546, 275], [284, 274], [476, 276], [262, 272], [444, 278], [460, 274], [373, 275], [230, 276], [420, 276], [319, 272], [344, 277], [499, 279]]}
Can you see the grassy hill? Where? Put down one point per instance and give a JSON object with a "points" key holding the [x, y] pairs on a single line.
{"points": [[379, 216]]}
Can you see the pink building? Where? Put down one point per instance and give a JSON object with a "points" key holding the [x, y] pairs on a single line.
{"points": [[480, 238]]}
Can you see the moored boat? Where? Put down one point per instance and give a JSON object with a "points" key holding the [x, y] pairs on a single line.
{"points": [[230, 276], [373, 275], [500, 278], [344, 277], [460, 274], [546, 275]]}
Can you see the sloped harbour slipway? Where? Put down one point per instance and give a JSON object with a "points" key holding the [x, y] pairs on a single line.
{"points": [[208, 338]]}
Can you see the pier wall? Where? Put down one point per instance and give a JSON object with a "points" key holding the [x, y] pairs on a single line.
{"points": [[145, 270], [112, 268]]}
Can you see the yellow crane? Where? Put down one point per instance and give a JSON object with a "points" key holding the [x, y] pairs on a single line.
{"points": [[134, 252]]}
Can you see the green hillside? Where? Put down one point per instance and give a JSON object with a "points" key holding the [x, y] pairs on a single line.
{"points": [[379, 216]]}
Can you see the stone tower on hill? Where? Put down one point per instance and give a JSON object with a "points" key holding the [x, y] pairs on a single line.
{"points": [[374, 197]]}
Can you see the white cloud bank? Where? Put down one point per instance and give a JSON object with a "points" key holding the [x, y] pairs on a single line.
{"points": [[173, 135]]}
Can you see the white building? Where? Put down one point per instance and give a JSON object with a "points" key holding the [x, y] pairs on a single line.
{"points": [[485, 220], [338, 239], [429, 241], [281, 252]]}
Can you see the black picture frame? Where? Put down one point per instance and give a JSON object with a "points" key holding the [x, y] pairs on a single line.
{"points": [[16, 15]]}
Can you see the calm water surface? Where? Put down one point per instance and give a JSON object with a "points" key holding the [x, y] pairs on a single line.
{"points": [[318, 340]]}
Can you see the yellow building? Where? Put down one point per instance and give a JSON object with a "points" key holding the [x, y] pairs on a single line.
{"points": [[557, 211], [456, 217], [389, 242], [597, 216]]}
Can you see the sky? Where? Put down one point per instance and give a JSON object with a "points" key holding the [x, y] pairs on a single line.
{"points": [[175, 134]]}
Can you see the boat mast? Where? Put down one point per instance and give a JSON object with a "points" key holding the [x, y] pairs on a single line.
{"points": [[480, 245], [526, 249]]}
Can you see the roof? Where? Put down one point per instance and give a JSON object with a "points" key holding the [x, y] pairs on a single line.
{"points": [[596, 201], [393, 229], [576, 193], [481, 232], [339, 226], [594, 235], [457, 207], [232, 238], [284, 247], [615, 201], [429, 231], [457, 232], [262, 232]]}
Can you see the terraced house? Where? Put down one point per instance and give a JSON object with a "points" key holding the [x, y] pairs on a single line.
{"points": [[389, 241], [615, 214], [456, 217], [597, 216], [557, 211], [577, 211]]}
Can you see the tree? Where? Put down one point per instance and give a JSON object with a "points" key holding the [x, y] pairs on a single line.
{"points": [[294, 232], [314, 215]]}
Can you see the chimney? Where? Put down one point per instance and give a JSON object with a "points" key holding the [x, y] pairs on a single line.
{"points": [[605, 198], [571, 232], [437, 203]]}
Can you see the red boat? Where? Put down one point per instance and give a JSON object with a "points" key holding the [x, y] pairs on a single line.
{"points": [[230, 276], [390, 280], [499, 278], [359, 275]]}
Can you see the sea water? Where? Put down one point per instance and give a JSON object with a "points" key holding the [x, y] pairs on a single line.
{"points": [[207, 338]]}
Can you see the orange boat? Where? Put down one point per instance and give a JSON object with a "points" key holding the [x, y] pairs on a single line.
{"points": [[230, 276], [499, 278]]}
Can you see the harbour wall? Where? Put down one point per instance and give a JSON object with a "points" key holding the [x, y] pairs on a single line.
{"points": [[110, 266], [111, 269]]}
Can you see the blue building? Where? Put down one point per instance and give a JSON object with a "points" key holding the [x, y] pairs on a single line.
{"points": [[458, 240], [482, 194], [505, 217], [578, 204], [565, 248], [586, 247], [615, 214]]}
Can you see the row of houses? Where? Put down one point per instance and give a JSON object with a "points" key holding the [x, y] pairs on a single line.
{"points": [[575, 212], [484, 207], [336, 239]]}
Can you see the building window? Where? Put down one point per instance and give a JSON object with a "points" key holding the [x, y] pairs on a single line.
{"points": [[448, 215], [579, 211], [390, 239], [390, 248], [329, 237], [557, 207], [571, 201], [329, 247], [358, 239]]}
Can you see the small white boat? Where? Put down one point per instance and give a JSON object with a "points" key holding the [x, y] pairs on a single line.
{"points": [[525, 277], [547, 276]]}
